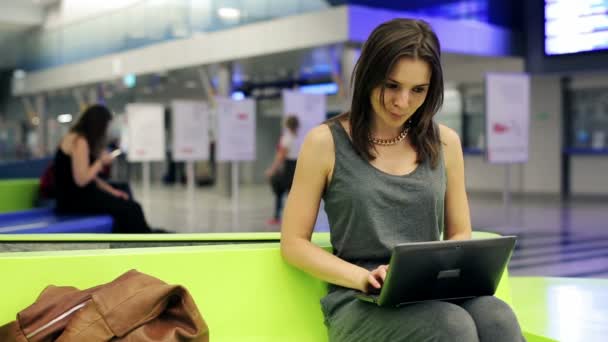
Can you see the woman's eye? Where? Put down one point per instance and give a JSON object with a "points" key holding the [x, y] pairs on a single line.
{"points": [[390, 86], [419, 90]]}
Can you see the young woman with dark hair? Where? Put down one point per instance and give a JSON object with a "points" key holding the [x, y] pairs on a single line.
{"points": [[79, 159], [387, 174]]}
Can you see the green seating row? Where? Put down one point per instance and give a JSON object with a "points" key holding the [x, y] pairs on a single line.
{"points": [[245, 292], [18, 194]]}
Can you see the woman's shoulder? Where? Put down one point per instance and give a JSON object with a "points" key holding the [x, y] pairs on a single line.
{"points": [[318, 147], [320, 135], [447, 135], [451, 146], [70, 141]]}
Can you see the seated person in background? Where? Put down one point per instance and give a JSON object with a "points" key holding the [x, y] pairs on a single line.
{"points": [[79, 190], [387, 174]]}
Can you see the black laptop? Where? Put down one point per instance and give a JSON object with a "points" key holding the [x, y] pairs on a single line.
{"points": [[443, 270]]}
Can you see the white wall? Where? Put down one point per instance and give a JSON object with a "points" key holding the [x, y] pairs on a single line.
{"points": [[471, 69], [542, 173], [588, 175]]}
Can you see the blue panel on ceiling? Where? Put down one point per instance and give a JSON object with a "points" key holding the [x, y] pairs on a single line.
{"points": [[505, 13]]}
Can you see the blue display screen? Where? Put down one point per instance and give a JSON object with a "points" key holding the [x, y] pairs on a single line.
{"points": [[573, 26]]}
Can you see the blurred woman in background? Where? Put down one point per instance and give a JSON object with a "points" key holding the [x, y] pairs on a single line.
{"points": [[79, 159], [283, 167]]}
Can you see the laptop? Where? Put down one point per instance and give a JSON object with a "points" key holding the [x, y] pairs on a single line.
{"points": [[443, 270]]}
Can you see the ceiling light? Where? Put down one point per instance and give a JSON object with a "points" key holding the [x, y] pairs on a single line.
{"points": [[19, 74], [64, 118], [191, 85], [229, 13]]}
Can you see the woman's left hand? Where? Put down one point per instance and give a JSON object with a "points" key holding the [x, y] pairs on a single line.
{"points": [[120, 194], [269, 172]]}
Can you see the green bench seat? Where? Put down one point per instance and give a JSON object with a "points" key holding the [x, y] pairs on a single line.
{"points": [[565, 309], [245, 292]]}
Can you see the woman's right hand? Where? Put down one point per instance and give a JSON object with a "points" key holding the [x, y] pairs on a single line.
{"points": [[375, 279]]}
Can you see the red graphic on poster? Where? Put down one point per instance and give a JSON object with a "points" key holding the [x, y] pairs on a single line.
{"points": [[500, 128]]}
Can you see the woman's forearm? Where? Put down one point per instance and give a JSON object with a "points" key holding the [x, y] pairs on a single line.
{"points": [[321, 264], [83, 176], [103, 185]]}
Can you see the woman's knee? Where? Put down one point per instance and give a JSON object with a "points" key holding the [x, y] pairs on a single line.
{"points": [[132, 206], [495, 320], [455, 324]]}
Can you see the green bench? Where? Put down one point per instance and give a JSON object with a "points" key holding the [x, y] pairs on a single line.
{"points": [[566, 309], [245, 292], [18, 194]]}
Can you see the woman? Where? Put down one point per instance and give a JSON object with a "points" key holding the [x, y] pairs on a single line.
{"points": [[283, 167], [387, 174], [79, 160]]}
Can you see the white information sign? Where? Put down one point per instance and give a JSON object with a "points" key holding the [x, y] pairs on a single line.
{"points": [[310, 109], [236, 129], [146, 132], [190, 121], [507, 117]]}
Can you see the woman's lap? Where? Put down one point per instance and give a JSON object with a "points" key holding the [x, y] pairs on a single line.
{"points": [[428, 321]]}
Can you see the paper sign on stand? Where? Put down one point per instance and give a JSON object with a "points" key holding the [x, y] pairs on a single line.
{"points": [[146, 137], [235, 136], [310, 109], [190, 121], [236, 130], [507, 117], [507, 124]]}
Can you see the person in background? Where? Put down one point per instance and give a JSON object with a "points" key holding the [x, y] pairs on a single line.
{"points": [[388, 174], [79, 159], [283, 167]]}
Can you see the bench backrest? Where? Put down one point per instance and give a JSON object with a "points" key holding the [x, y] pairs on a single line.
{"points": [[18, 194], [245, 292]]}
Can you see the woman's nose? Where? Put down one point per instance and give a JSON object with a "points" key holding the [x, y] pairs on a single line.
{"points": [[401, 99]]}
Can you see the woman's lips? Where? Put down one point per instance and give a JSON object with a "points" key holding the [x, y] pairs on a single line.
{"points": [[396, 116]]}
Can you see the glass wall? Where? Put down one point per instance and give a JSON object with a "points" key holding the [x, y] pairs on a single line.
{"points": [[148, 22], [589, 118]]}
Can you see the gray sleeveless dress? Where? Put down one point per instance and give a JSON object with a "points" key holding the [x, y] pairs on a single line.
{"points": [[369, 212]]}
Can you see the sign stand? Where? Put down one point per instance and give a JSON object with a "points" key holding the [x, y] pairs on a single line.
{"points": [[190, 137], [235, 185], [506, 195], [507, 126], [236, 138], [190, 178], [146, 179], [146, 138]]}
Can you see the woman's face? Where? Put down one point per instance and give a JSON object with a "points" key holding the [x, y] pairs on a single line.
{"points": [[404, 92]]}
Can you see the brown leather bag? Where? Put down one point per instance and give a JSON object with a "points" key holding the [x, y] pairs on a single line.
{"points": [[133, 307]]}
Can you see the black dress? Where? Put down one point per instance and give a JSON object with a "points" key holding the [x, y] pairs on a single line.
{"points": [[89, 199]]}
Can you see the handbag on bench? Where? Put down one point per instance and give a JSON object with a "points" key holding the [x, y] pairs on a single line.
{"points": [[133, 307]]}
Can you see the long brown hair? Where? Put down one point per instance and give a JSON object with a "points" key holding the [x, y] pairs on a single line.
{"points": [[388, 43], [93, 125]]}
